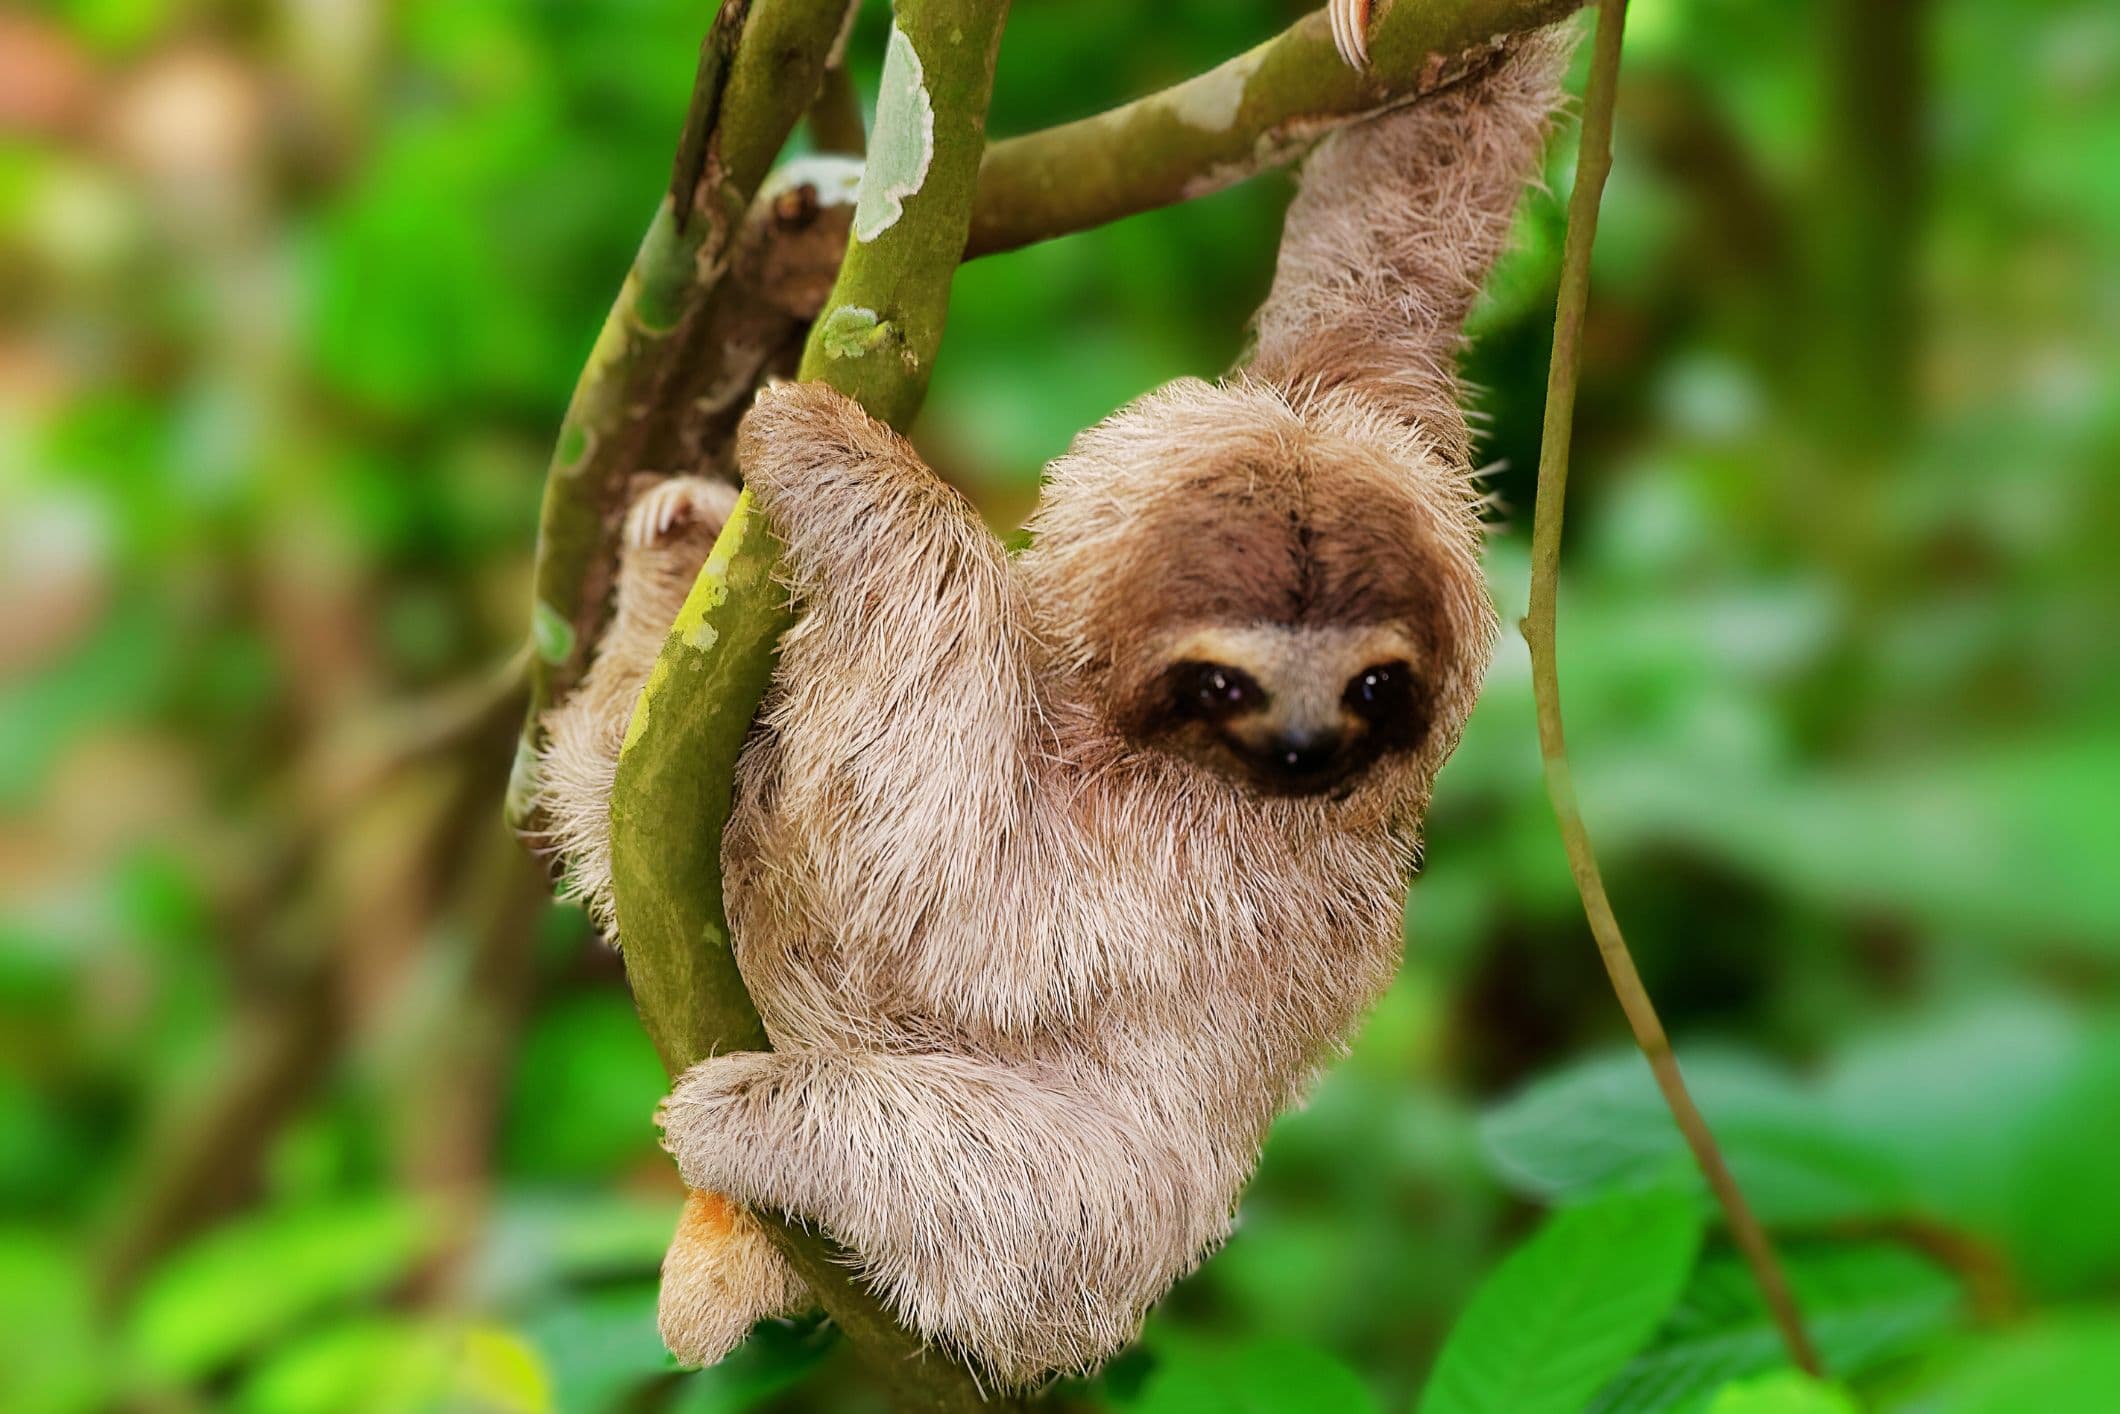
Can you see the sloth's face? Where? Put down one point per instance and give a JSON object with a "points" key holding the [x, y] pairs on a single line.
{"points": [[1289, 709], [1291, 610]]}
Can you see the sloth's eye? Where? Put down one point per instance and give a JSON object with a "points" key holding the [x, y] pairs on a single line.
{"points": [[1213, 690], [1379, 690]]}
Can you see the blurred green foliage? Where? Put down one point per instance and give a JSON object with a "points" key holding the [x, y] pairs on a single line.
{"points": [[293, 298]]}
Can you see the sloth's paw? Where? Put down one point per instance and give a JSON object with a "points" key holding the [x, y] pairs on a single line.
{"points": [[721, 1277], [1350, 30], [711, 1119], [671, 507]]}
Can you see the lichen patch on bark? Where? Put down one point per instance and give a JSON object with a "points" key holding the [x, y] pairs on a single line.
{"points": [[551, 632], [1212, 101], [851, 330], [902, 145]]}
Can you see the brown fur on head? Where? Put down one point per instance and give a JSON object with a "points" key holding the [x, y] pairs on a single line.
{"points": [[1224, 579]]}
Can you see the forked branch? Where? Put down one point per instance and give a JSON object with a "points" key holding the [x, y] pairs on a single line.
{"points": [[875, 341]]}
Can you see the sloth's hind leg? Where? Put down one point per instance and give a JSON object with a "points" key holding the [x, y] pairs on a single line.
{"points": [[1025, 1221], [720, 1277]]}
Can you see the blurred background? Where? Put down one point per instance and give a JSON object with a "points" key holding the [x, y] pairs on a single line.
{"points": [[311, 1100]]}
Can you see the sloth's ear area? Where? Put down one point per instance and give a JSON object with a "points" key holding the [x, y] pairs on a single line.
{"points": [[1395, 227]]}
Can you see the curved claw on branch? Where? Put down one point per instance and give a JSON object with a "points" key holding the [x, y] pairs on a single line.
{"points": [[1350, 30]]}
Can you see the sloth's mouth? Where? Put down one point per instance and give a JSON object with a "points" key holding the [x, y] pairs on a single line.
{"points": [[1275, 770]]}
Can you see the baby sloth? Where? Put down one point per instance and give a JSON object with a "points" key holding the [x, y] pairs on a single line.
{"points": [[1056, 877]]}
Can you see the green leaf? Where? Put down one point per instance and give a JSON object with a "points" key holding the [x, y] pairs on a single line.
{"points": [[1603, 1124], [1563, 1313], [1782, 1392], [246, 1283], [1863, 1306], [1263, 1377], [584, 1091], [498, 1371], [369, 1364], [598, 1346], [778, 1356], [50, 1356], [2002, 841], [399, 1365], [538, 1241], [2063, 1221], [1954, 1100], [2064, 1365]]}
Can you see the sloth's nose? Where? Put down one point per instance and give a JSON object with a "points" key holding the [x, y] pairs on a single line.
{"points": [[1303, 753]]}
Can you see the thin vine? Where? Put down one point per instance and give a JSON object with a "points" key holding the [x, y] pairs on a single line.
{"points": [[1593, 163]]}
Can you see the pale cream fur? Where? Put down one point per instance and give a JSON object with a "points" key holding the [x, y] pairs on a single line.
{"points": [[667, 535], [1037, 987]]}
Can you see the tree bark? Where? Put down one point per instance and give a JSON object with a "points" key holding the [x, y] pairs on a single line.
{"points": [[875, 341]]}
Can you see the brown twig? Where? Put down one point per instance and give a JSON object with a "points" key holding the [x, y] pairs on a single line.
{"points": [[1592, 165], [1992, 1292]]}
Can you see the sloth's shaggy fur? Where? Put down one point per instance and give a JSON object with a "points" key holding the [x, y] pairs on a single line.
{"points": [[668, 534], [1039, 974]]}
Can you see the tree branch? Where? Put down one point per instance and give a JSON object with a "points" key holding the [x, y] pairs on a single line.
{"points": [[835, 118], [1262, 109], [875, 341], [1592, 165], [759, 67]]}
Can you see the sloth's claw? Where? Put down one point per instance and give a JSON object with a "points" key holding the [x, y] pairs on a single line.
{"points": [[669, 507], [1350, 30]]}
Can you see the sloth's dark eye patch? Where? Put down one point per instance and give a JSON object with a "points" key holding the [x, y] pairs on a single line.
{"points": [[1212, 691], [1380, 692]]}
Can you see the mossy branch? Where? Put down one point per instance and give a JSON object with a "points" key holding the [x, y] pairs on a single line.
{"points": [[1262, 109], [1592, 165], [759, 66], [876, 341]]}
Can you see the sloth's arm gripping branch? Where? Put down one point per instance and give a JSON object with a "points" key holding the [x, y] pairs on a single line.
{"points": [[1394, 229], [872, 539], [903, 686], [1260, 110]]}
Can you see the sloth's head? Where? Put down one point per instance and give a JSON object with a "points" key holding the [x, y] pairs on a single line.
{"points": [[1288, 597]]}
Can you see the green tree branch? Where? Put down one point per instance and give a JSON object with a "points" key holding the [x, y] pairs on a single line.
{"points": [[876, 341], [1592, 165], [1262, 109], [759, 67]]}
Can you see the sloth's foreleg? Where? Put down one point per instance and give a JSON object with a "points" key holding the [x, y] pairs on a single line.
{"points": [[1018, 1219]]}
